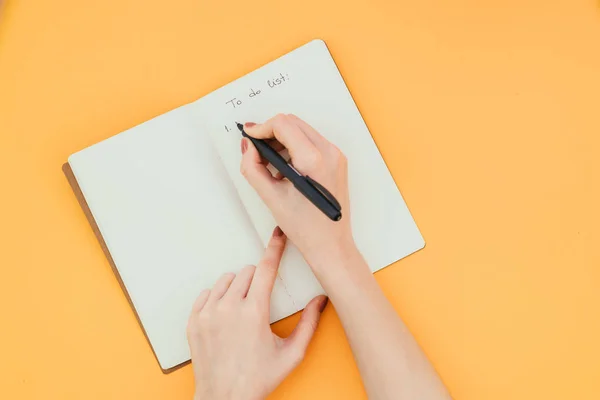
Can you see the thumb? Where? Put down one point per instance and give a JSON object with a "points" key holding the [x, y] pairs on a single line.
{"points": [[255, 172], [299, 339]]}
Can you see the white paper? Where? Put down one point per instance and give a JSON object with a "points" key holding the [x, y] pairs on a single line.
{"points": [[176, 213], [311, 87], [171, 220]]}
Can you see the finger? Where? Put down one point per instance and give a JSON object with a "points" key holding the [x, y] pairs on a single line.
{"points": [[303, 332], [315, 137], [241, 283], [276, 145], [257, 173], [266, 271], [200, 301], [287, 133], [220, 288], [283, 152]]}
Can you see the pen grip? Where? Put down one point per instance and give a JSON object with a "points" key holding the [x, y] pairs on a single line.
{"points": [[301, 183], [273, 157]]}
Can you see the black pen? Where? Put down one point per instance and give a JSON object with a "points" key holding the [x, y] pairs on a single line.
{"points": [[310, 188]]}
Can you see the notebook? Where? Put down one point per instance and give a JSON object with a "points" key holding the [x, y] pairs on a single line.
{"points": [[174, 213]]}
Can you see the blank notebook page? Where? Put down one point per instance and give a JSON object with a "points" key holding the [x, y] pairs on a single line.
{"points": [[171, 220]]}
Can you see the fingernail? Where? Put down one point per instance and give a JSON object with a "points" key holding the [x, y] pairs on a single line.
{"points": [[249, 124], [324, 304], [277, 232], [244, 145]]}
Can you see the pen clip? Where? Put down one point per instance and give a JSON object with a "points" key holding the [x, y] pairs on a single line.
{"points": [[324, 192]]}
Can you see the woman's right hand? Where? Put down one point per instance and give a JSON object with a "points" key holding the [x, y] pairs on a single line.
{"points": [[318, 238], [390, 361]]}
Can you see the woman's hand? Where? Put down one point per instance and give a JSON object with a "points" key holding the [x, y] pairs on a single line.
{"points": [[235, 354], [389, 359], [318, 238]]}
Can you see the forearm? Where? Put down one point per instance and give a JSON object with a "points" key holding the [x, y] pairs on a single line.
{"points": [[390, 361]]}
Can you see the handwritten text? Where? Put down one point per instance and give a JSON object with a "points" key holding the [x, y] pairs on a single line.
{"points": [[253, 92]]}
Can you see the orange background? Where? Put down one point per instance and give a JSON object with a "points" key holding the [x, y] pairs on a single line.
{"points": [[487, 113]]}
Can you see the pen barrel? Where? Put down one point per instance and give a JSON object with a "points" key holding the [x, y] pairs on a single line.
{"points": [[273, 157], [299, 181], [317, 198]]}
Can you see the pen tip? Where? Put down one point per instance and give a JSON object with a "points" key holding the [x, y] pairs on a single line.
{"points": [[240, 126]]}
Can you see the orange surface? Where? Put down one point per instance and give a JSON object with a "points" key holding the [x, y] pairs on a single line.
{"points": [[486, 112]]}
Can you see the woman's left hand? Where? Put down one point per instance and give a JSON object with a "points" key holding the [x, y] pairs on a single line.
{"points": [[235, 355]]}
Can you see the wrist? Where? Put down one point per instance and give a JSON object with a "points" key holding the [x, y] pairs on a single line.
{"points": [[338, 258], [346, 278]]}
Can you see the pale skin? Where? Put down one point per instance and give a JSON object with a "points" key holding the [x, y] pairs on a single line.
{"points": [[236, 356]]}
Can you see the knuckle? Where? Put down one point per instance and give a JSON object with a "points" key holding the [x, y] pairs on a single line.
{"points": [[310, 160], [280, 118], [249, 267], [343, 159], [202, 320], [202, 296], [269, 263], [254, 309], [250, 270], [337, 157], [228, 276], [271, 258], [335, 151]]}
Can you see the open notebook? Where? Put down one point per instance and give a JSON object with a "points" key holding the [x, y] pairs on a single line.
{"points": [[174, 213]]}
